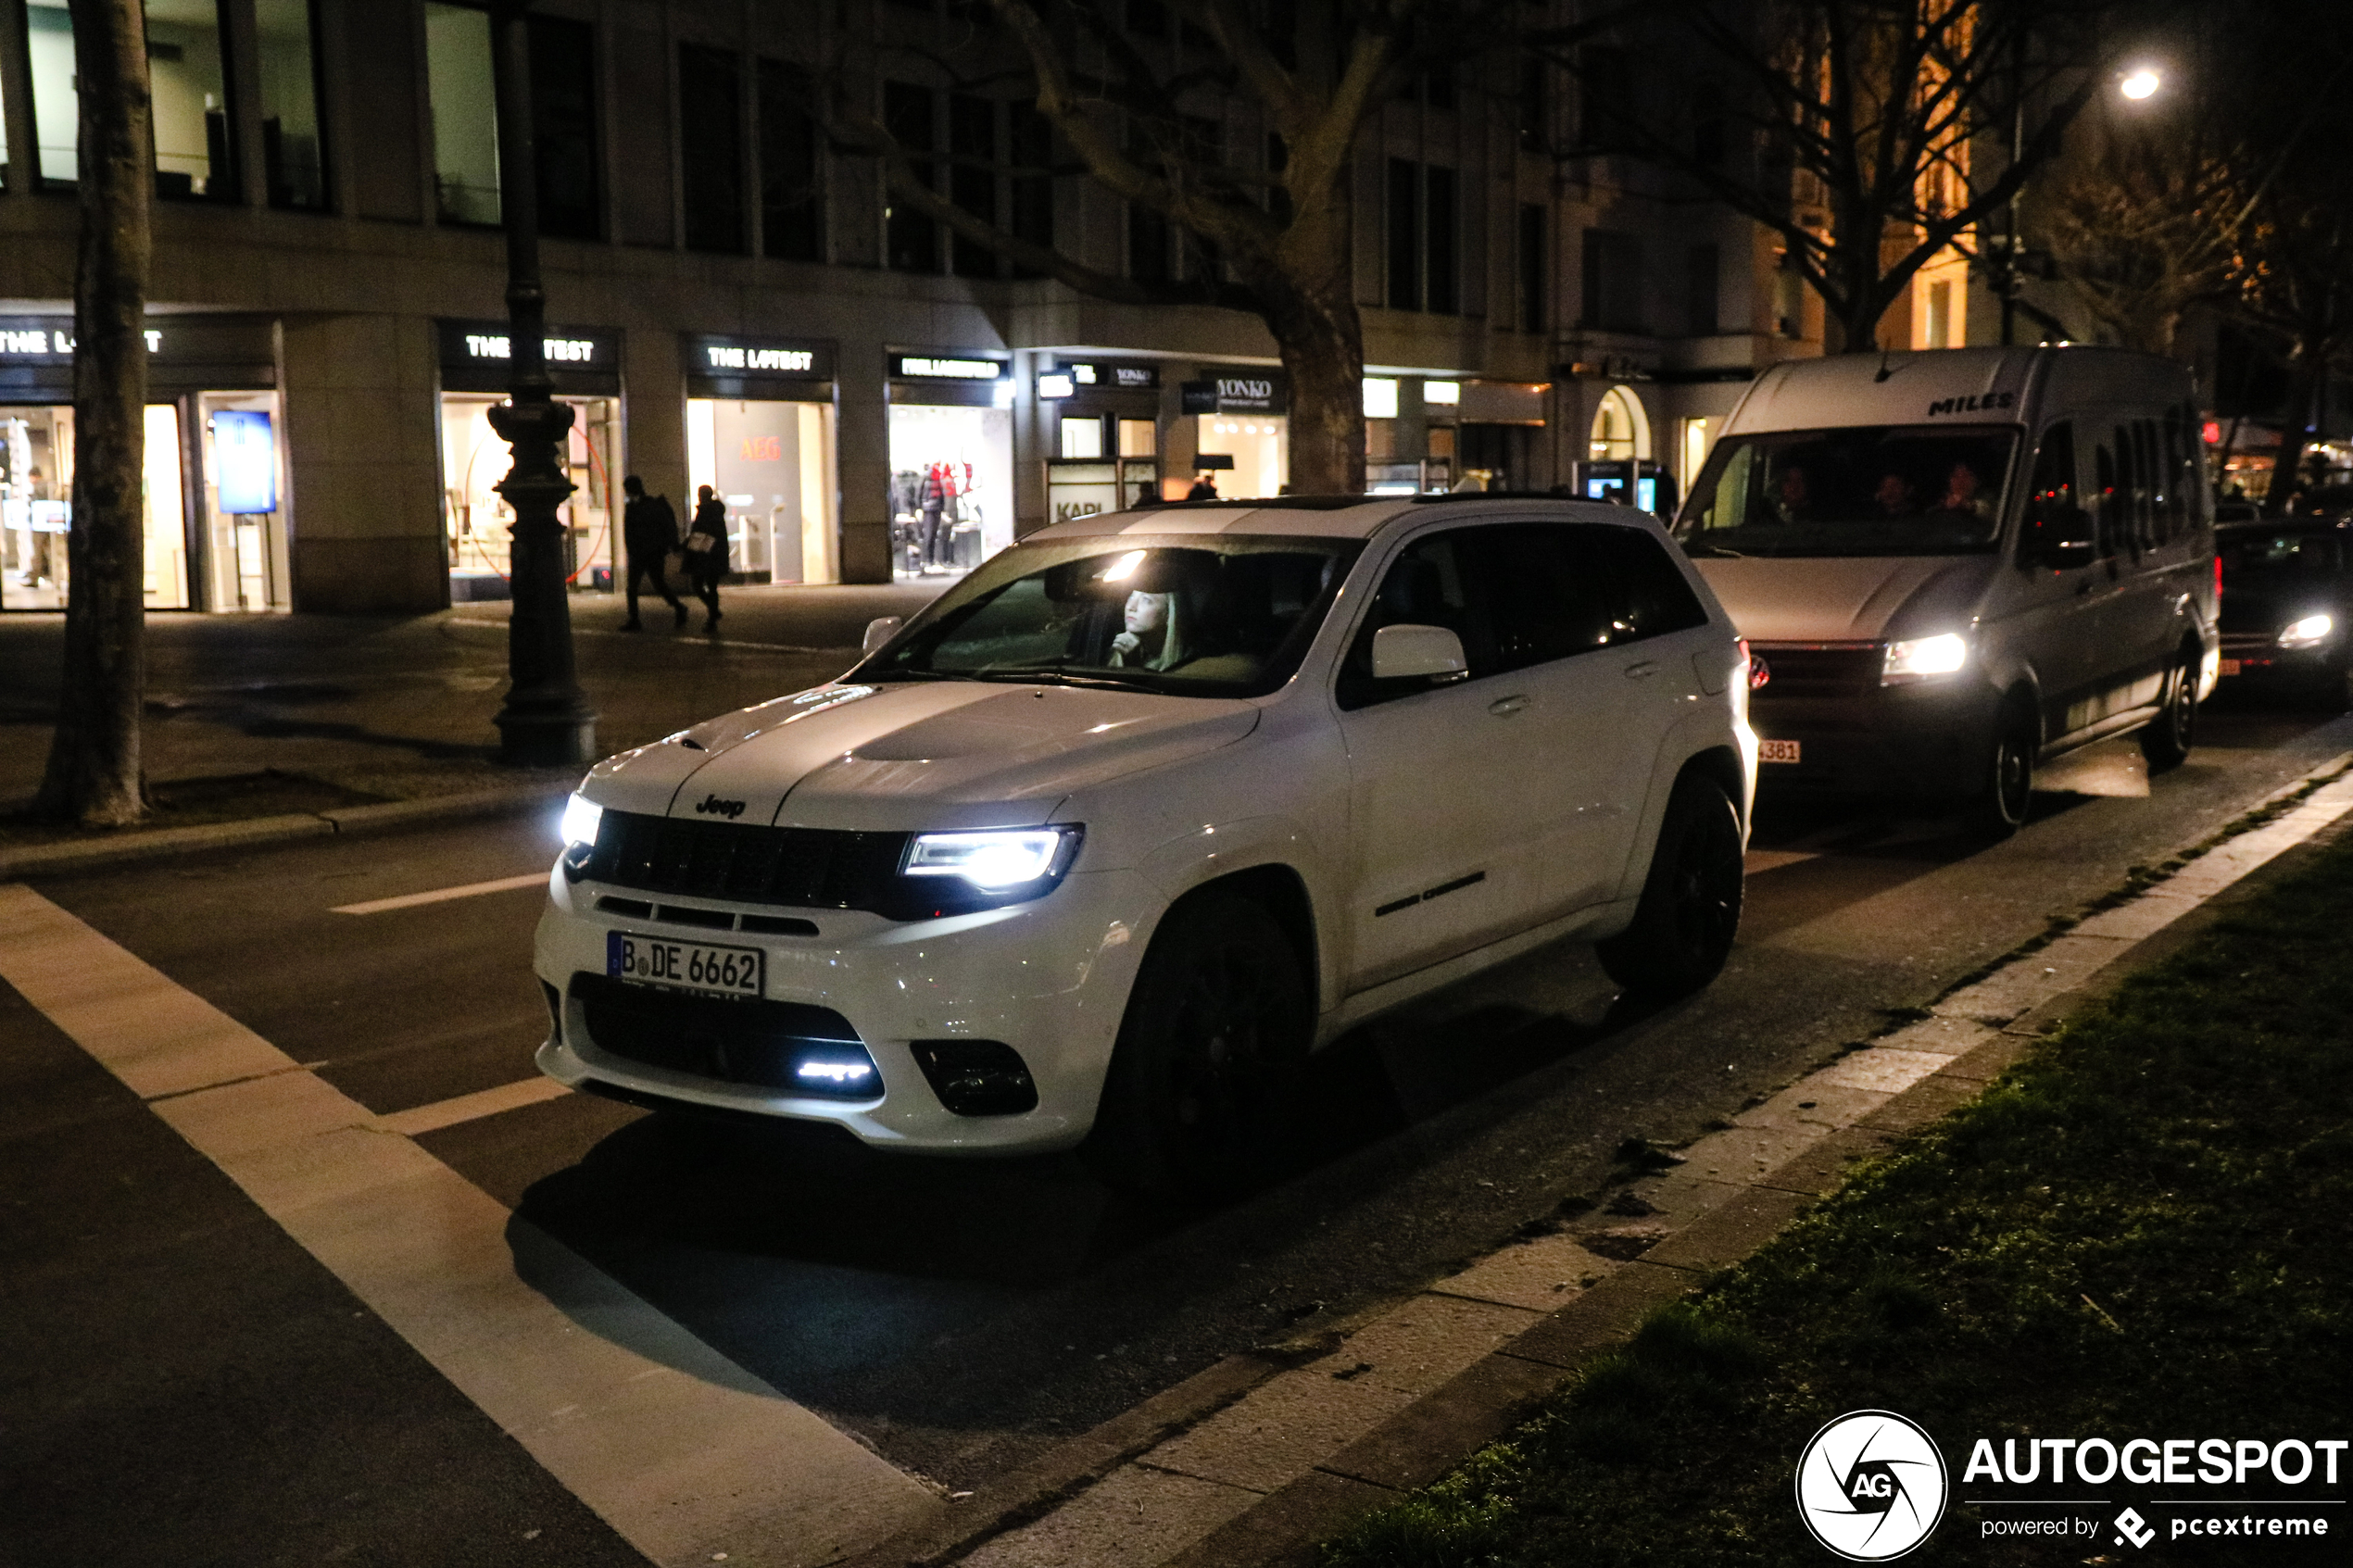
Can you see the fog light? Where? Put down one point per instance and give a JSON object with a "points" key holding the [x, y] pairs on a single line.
{"points": [[977, 1077]]}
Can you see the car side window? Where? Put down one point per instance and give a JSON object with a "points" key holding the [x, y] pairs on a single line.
{"points": [[1548, 591], [1649, 596], [1428, 585]]}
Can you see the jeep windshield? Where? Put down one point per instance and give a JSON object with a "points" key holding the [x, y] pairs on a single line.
{"points": [[1871, 490], [1189, 616]]}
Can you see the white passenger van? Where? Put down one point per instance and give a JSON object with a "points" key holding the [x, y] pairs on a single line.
{"points": [[1952, 565]]}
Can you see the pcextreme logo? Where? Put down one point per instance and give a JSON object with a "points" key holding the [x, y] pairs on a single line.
{"points": [[1872, 1485]]}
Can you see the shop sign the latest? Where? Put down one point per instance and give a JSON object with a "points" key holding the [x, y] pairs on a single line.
{"points": [[753, 358], [476, 356], [1244, 392]]}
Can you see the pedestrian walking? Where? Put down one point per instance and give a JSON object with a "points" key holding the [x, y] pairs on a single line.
{"points": [[707, 554], [648, 534]]}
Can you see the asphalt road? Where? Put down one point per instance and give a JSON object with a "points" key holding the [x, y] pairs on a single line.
{"points": [[181, 1382]]}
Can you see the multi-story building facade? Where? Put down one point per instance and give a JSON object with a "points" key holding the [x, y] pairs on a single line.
{"points": [[736, 303]]}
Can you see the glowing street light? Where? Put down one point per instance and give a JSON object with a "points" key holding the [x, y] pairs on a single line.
{"points": [[2141, 84]]}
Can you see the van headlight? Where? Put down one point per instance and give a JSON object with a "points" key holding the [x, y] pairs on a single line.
{"points": [[1918, 657], [958, 872], [2310, 631]]}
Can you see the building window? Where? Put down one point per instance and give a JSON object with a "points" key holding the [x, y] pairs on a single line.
{"points": [[792, 205], [564, 126], [1405, 235], [710, 144], [910, 240], [1612, 282], [1535, 278], [1033, 146], [1606, 100], [462, 88], [1441, 231], [195, 153], [294, 161], [1789, 302], [1082, 436], [972, 179], [1532, 106], [1700, 291], [1939, 323]]}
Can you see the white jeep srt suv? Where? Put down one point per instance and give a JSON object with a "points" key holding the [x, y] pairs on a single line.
{"points": [[1095, 850]]}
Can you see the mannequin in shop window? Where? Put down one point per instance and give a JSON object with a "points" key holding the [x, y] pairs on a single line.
{"points": [[707, 552]]}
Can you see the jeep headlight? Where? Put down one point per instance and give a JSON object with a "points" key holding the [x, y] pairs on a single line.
{"points": [[1918, 657], [996, 860], [581, 820], [2310, 631]]}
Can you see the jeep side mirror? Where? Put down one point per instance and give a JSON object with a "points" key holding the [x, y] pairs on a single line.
{"points": [[1403, 651], [879, 630]]}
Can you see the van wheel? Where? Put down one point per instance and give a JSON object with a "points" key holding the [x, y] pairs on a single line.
{"points": [[1690, 904], [2008, 791], [1205, 1082], [2165, 740]]}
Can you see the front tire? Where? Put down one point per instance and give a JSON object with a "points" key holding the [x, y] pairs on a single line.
{"points": [[1689, 908], [1205, 1082], [2167, 739], [2007, 793]]}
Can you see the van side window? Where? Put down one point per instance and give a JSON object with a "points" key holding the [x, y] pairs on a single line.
{"points": [[2108, 497], [2147, 485], [2051, 498]]}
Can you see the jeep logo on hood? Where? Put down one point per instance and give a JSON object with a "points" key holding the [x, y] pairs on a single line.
{"points": [[711, 806]]}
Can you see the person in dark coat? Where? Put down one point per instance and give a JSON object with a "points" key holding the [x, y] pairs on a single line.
{"points": [[707, 563], [649, 532]]}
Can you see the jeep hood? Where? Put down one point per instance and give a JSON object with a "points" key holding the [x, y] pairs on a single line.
{"points": [[919, 754], [1848, 599]]}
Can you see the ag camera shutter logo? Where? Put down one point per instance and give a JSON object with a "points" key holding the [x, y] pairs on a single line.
{"points": [[1872, 1485]]}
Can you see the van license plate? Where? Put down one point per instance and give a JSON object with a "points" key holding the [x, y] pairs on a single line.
{"points": [[686, 966], [2230, 667], [1777, 751]]}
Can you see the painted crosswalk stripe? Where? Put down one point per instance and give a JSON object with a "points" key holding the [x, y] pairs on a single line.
{"points": [[683, 1453], [432, 1118], [443, 895]]}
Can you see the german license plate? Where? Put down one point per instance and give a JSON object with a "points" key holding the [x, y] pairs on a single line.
{"points": [[686, 966], [2230, 667], [1777, 751]]}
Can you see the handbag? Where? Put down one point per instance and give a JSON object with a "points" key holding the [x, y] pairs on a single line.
{"points": [[701, 544]]}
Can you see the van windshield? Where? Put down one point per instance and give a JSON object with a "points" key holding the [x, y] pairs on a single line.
{"points": [[1872, 490]]}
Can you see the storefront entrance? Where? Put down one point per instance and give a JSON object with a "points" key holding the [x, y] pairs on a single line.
{"points": [[36, 507], [584, 363], [479, 523], [1244, 416], [759, 431]]}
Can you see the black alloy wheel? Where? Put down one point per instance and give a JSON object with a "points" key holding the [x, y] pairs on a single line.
{"points": [[2167, 739], [1201, 1098], [1689, 908], [2008, 792]]}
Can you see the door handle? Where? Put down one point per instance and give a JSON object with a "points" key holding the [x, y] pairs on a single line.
{"points": [[1504, 707], [1642, 672]]}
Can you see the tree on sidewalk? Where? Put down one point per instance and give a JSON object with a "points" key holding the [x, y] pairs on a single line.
{"points": [[95, 775], [1873, 136], [1271, 232]]}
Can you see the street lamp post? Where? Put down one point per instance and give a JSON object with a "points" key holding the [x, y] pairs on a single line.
{"points": [[545, 720]]}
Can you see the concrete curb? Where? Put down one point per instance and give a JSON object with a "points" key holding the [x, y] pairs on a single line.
{"points": [[159, 844], [1293, 1455]]}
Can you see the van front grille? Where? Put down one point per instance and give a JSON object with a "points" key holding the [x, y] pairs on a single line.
{"points": [[1800, 670]]}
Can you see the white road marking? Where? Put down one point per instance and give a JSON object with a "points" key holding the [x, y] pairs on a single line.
{"points": [[472, 1107], [443, 895], [682, 1452]]}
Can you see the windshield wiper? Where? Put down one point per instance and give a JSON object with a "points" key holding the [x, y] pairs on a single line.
{"points": [[1042, 676]]}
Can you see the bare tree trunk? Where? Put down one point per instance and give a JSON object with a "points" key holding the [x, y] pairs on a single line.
{"points": [[94, 776], [2304, 390], [1308, 300]]}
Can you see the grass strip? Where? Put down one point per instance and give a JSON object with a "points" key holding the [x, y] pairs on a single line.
{"points": [[2142, 1229]]}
